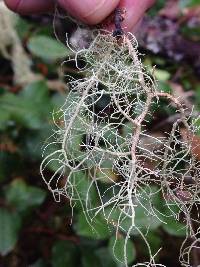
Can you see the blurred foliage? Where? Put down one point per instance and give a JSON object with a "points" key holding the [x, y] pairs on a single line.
{"points": [[35, 231], [47, 48]]}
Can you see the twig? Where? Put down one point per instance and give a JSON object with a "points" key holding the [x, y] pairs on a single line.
{"points": [[118, 32]]}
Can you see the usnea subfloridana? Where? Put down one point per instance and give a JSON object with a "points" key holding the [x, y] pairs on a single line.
{"points": [[106, 151]]}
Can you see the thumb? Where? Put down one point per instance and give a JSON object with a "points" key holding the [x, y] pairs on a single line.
{"points": [[135, 11], [90, 11], [30, 6]]}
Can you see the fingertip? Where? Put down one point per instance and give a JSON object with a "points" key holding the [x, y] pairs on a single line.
{"points": [[30, 6], [90, 11], [12, 4], [135, 11], [101, 11]]}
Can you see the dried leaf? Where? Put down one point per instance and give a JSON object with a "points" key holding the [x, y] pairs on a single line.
{"points": [[195, 142]]}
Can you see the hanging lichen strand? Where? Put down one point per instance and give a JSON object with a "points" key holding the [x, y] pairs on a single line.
{"points": [[105, 145]]}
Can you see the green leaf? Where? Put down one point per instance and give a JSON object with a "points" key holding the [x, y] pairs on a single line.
{"points": [[127, 130], [9, 229], [158, 5], [105, 257], [23, 196], [16, 109], [95, 229], [73, 147], [196, 123], [23, 27], [90, 259], [197, 98], [30, 108], [174, 227], [188, 3], [37, 91], [119, 247], [84, 190], [111, 136], [64, 254], [58, 100], [155, 242], [47, 47], [144, 220], [4, 118], [164, 87], [170, 223], [34, 141], [105, 173], [162, 75], [148, 200]]}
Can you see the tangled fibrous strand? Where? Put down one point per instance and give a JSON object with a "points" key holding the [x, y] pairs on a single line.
{"points": [[95, 144]]}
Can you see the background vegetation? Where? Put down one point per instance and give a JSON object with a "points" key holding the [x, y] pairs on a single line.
{"points": [[34, 230]]}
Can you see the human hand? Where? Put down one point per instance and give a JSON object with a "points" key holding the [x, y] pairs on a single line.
{"points": [[89, 11]]}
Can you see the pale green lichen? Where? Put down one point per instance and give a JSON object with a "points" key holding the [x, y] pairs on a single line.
{"points": [[92, 142]]}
